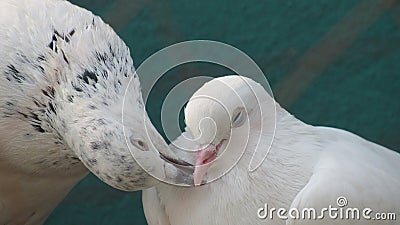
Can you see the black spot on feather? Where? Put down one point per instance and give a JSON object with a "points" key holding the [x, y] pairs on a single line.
{"points": [[92, 107], [76, 88], [69, 35], [101, 57], [108, 176], [38, 103], [64, 57], [104, 73], [41, 58], [99, 145], [72, 32], [41, 69], [57, 33], [89, 75], [101, 122], [94, 145], [49, 92], [14, 73], [51, 107], [118, 179], [56, 36], [35, 118], [23, 114], [92, 162], [70, 98], [53, 41], [38, 128], [110, 48]]}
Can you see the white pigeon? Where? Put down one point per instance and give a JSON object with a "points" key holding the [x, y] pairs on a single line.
{"points": [[306, 166], [63, 76]]}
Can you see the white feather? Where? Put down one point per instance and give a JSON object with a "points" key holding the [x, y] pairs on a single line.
{"points": [[307, 166]]}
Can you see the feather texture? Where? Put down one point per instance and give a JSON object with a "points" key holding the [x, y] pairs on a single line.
{"points": [[64, 76], [307, 166]]}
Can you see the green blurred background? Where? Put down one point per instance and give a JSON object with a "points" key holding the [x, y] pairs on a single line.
{"points": [[332, 63]]}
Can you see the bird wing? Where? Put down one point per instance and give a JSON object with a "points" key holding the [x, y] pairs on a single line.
{"points": [[351, 173]]}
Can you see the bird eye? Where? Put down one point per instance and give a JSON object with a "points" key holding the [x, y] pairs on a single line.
{"points": [[138, 143], [239, 116]]}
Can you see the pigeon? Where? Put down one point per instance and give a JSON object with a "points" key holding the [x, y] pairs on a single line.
{"points": [[307, 169], [65, 77]]}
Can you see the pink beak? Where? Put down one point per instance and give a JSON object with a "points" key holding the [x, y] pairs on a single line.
{"points": [[204, 158]]}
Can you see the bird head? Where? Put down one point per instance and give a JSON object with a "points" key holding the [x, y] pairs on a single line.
{"points": [[218, 115], [98, 107]]}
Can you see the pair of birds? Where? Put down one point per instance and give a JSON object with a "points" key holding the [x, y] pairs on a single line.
{"points": [[64, 75]]}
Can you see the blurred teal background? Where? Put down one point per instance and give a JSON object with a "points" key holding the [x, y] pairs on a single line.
{"points": [[332, 63]]}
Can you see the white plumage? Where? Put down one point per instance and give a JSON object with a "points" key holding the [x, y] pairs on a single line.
{"points": [[307, 166], [63, 76]]}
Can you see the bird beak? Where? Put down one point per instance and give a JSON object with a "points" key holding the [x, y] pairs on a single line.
{"points": [[204, 159], [181, 164]]}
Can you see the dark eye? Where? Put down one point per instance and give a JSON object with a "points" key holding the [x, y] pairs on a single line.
{"points": [[140, 144], [239, 117]]}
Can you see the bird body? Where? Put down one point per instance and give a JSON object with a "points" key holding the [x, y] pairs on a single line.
{"points": [[65, 76], [306, 166], [29, 199]]}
